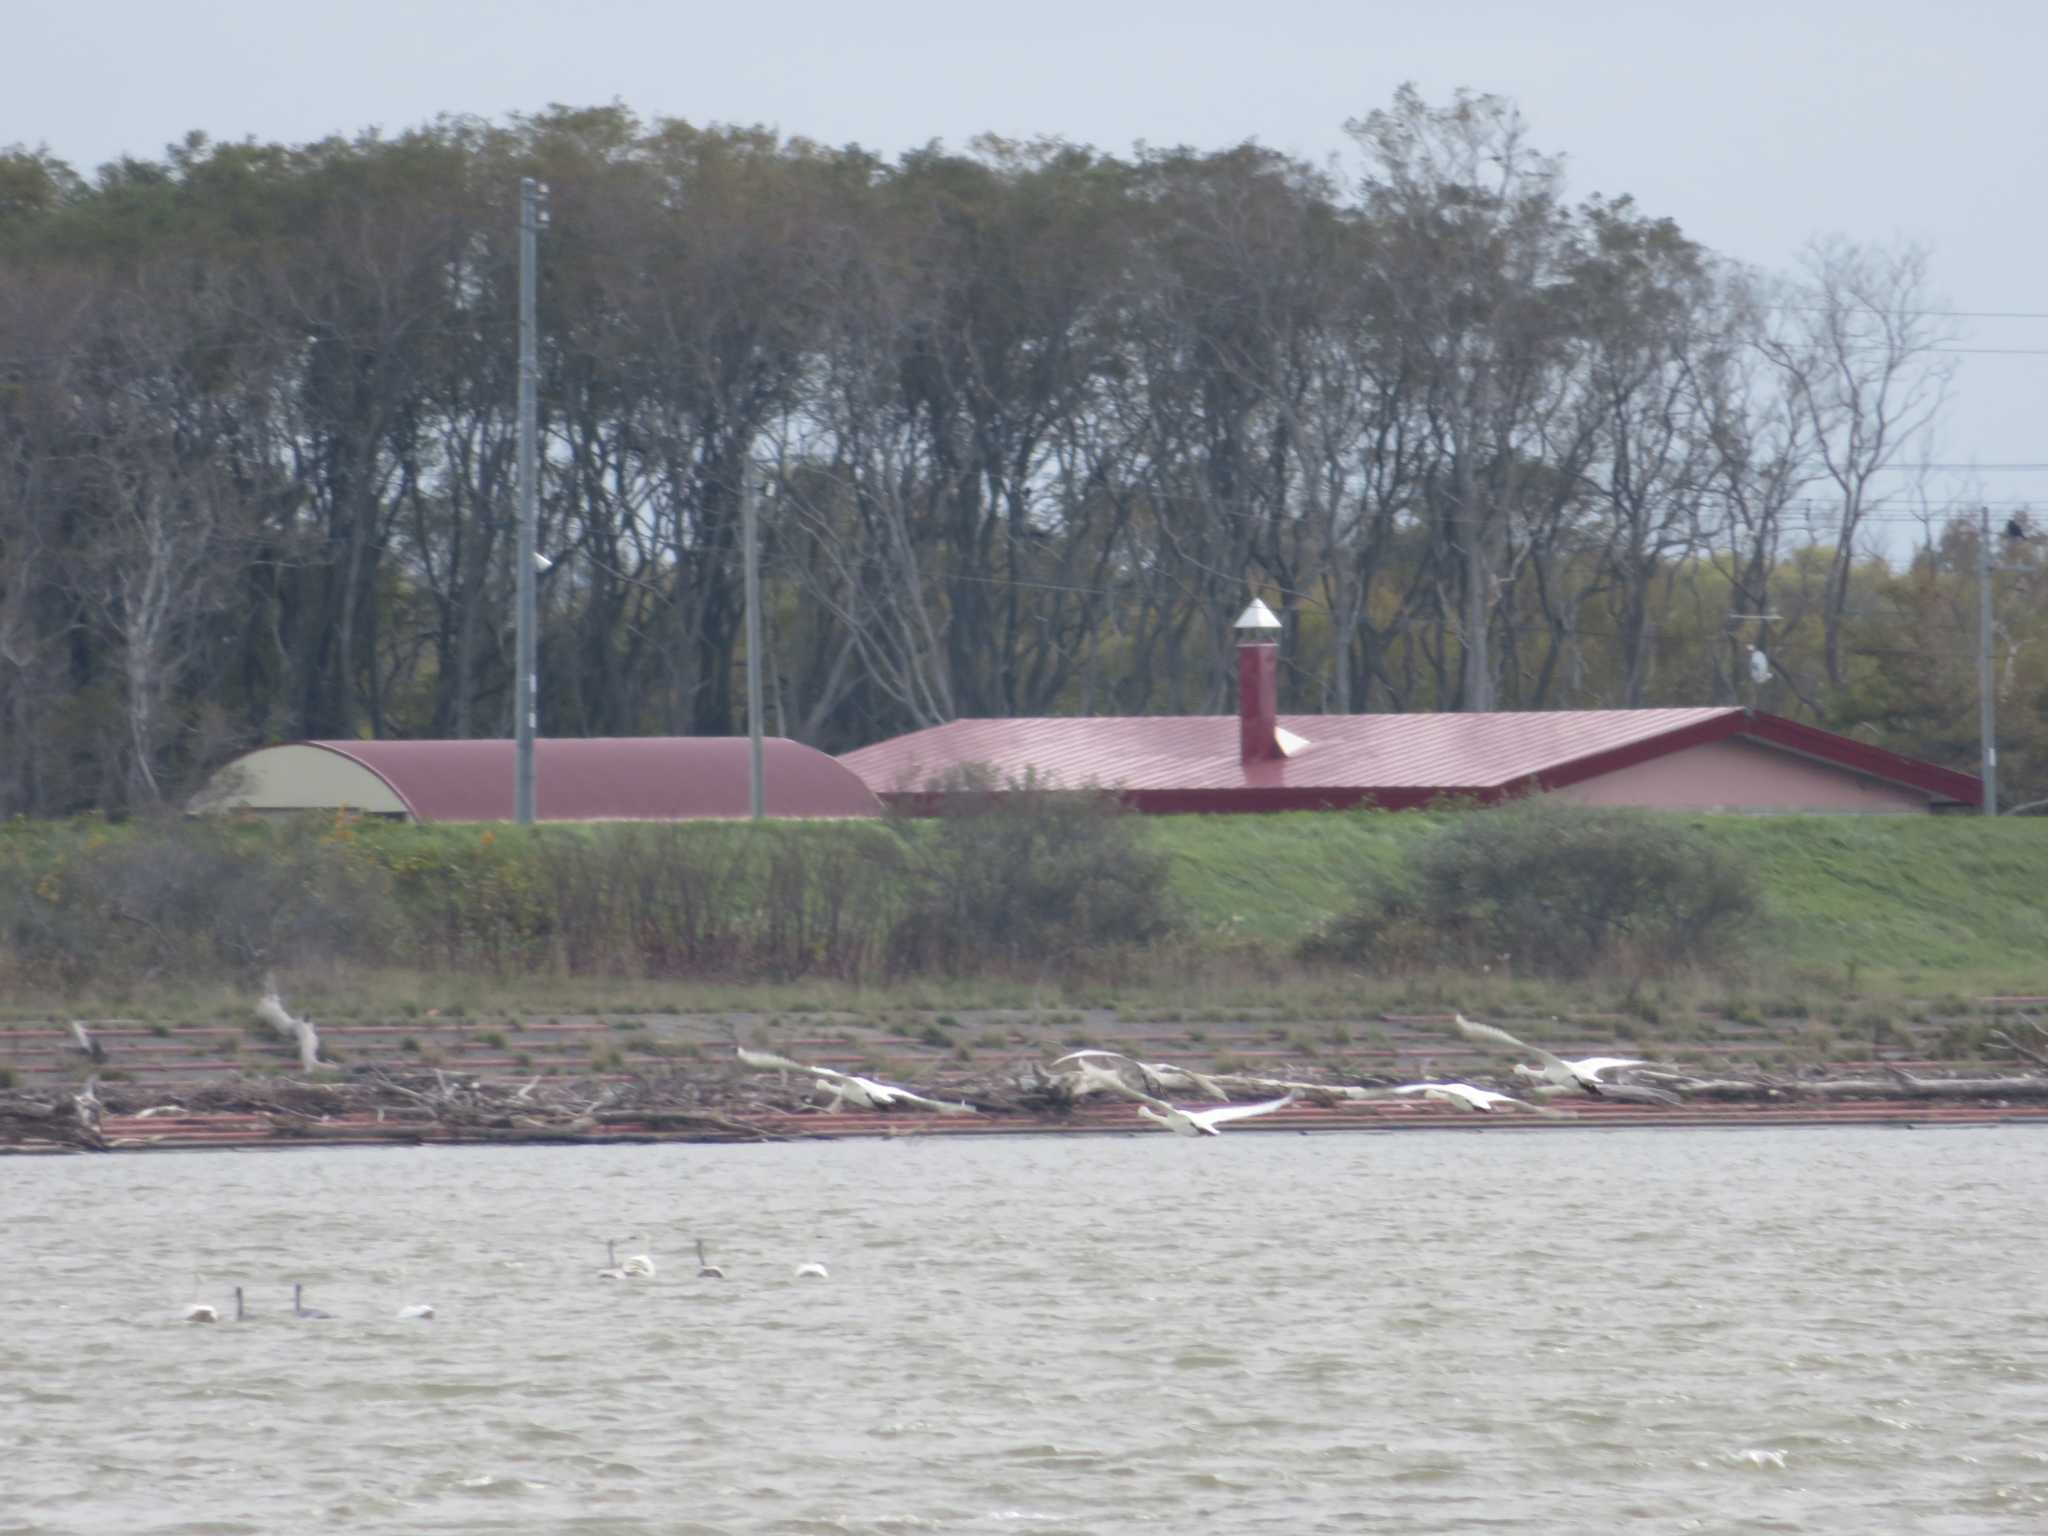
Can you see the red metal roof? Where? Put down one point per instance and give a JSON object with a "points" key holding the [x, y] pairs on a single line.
{"points": [[1192, 762], [615, 778]]}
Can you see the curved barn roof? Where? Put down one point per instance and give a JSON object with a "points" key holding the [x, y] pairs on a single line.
{"points": [[618, 778], [1193, 762]]}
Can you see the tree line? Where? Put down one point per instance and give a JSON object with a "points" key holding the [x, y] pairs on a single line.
{"points": [[1027, 424]]}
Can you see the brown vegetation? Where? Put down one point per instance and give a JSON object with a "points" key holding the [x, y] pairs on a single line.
{"points": [[1040, 880]]}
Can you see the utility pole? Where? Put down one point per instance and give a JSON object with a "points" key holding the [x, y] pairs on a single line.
{"points": [[750, 535], [1987, 712], [532, 199]]}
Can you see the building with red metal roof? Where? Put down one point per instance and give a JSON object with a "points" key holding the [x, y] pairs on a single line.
{"points": [[623, 778], [1692, 759], [1696, 759]]}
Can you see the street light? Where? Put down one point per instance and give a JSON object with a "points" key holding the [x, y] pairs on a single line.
{"points": [[532, 218], [757, 785]]}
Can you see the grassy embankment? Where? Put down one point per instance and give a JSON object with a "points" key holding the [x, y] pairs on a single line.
{"points": [[1893, 905], [504, 951], [1893, 908]]}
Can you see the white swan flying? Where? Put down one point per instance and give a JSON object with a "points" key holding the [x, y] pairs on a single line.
{"points": [[1482, 1101], [1587, 1075], [848, 1088]]}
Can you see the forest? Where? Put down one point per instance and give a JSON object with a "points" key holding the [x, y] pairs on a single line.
{"points": [[1025, 424]]}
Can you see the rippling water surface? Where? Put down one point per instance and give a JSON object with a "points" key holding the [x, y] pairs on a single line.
{"points": [[1560, 1330]]}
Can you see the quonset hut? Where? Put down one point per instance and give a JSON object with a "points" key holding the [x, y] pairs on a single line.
{"points": [[1725, 758], [621, 778]]}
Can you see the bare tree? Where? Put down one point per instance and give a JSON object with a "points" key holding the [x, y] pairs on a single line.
{"points": [[1857, 352]]}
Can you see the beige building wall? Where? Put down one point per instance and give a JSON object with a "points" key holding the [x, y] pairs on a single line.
{"points": [[1738, 775], [297, 778]]}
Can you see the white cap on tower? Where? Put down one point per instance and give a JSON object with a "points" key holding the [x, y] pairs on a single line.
{"points": [[1257, 618]]}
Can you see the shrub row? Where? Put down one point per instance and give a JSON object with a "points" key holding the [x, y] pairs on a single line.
{"points": [[1039, 881]]}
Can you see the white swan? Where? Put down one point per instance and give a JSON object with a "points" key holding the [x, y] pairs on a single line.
{"points": [[638, 1267], [706, 1270], [1154, 1074], [1582, 1076], [1206, 1122], [811, 1271], [198, 1311], [1191, 1122], [847, 1088], [299, 1307], [1483, 1101], [420, 1310]]}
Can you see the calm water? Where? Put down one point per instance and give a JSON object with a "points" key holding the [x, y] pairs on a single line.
{"points": [[1565, 1330]]}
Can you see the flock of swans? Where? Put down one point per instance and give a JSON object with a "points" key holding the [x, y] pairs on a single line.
{"points": [[641, 1267], [203, 1312], [637, 1266], [1093, 1070]]}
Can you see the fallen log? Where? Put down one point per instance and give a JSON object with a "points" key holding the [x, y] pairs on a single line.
{"points": [[1898, 1086], [26, 1118], [684, 1120]]}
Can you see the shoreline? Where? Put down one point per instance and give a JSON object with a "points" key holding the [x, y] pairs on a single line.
{"points": [[258, 1131]]}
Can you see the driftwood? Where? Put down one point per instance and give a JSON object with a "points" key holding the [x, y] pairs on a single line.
{"points": [[70, 1121], [1896, 1085], [2030, 1050], [413, 1106]]}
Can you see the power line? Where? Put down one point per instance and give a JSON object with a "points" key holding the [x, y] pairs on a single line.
{"points": [[1912, 314]]}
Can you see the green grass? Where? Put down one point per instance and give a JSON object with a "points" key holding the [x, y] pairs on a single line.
{"points": [[1918, 904], [1897, 907]]}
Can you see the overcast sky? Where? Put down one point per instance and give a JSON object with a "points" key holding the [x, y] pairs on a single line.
{"points": [[1755, 125]]}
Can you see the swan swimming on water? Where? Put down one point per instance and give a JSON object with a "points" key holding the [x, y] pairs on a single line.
{"points": [[299, 1308], [811, 1271], [638, 1267], [706, 1270], [199, 1311], [418, 1311]]}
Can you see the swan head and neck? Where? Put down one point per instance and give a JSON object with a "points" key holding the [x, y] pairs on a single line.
{"points": [[1177, 1122]]}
